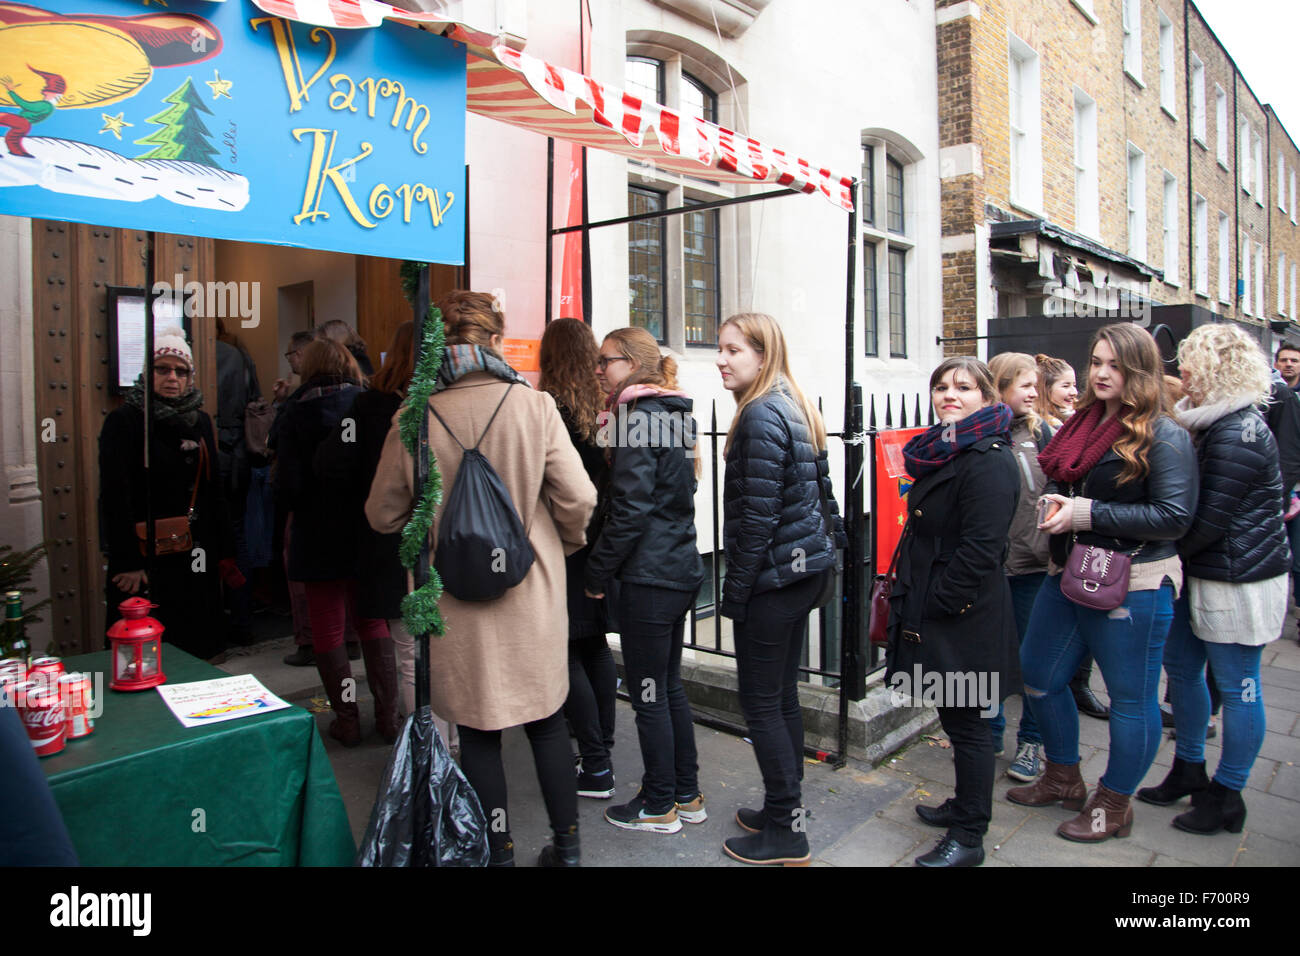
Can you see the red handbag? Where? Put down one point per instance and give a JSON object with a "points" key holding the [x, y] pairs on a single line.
{"points": [[881, 588]]}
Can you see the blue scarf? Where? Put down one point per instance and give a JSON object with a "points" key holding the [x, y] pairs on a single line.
{"points": [[460, 360], [941, 443]]}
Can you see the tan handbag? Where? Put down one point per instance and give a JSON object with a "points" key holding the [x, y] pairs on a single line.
{"points": [[174, 535]]}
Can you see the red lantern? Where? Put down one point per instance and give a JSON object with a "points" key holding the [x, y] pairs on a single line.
{"points": [[137, 647]]}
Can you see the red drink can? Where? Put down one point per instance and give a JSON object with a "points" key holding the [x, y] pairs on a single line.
{"points": [[9, 689], [14, 666], [41, 710], [47, 670], [74, 691]]}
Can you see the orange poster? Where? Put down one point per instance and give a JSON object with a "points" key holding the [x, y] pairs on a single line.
{"points": [[892, 485], [523, 354]]}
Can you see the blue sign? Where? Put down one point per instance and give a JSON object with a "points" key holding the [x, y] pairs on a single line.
{"points": [[214, 119]]}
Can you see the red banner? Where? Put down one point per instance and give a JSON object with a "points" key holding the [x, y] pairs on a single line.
{"points": [[892, 485], [570, 304]]}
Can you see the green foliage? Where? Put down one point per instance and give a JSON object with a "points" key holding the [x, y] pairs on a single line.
{"points": [[420, 608], [15, 573], [182, 135]]}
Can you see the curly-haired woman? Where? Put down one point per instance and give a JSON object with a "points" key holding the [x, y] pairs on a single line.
{"points": [[1128, 473], [1236, 560]]}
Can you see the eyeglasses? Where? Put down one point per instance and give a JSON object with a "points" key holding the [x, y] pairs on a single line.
{"points": [[291, 353], [602, 363], [166, 371]]}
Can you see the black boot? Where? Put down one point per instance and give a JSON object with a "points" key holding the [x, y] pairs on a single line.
{"points": [[940, 816], [1213, 809], [563, 850], [784, 846], [1085, 699], [948, 852], [503, 855], [1183, 778]]}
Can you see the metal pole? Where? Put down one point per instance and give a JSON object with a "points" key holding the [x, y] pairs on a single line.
{"points": [[150, 552], [550, 221], [422, 476], [851, 677], [676, 211]]}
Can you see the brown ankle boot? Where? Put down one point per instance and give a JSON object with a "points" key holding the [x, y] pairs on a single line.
{"points": [[381, 675], [1105, 815], [1059, 782], [334, 670]]}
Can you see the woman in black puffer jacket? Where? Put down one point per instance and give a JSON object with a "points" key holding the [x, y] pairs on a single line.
{"points": [[779, 551], [1237, 562], [647, 544]]}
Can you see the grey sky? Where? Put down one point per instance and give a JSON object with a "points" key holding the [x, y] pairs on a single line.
{"points": [[1260, 35]]}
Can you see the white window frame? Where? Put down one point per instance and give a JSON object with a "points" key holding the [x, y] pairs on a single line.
{"points": [[1198, 100], [1293, 276], [1085, 7], [1259, 279], [1025, 125], [1281, 283], [1245, 268], [1221, 125], [878, 240], [1225, 258], [1169, 230], [1281, 181], [1087, 199], [1131, 17], [1261, 188], [1293, 222], [1201, 240], [1168, 98], [1243, 160], [1136, 197]]}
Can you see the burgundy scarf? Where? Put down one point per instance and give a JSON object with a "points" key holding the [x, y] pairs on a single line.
{"points": [[1080, 443]]}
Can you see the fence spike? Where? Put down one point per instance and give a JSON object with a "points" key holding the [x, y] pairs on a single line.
{"points": [[917, 418], [889, 415], [902, 413], [871, 417]]}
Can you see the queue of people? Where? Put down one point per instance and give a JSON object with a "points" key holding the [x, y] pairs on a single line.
{"points": [[1047, 528]]}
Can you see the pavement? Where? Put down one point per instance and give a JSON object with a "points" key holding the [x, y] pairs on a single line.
{"points": [[858, 815]]}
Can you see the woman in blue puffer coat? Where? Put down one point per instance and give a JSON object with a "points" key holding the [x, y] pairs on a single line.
{"points": [[781, 529]]}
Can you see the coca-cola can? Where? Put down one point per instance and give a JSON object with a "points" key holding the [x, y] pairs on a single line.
{"points": [[42, 714], [74, 690], [48, 670], [13, 665], [9, 689]]}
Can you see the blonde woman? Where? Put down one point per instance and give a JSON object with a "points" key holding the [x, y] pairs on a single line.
{"points": [[1235, 557], [1056, 390], [778, 551]]}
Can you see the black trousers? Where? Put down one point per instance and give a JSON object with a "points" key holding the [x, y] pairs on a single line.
{"points": [[590, 707], [480, 759], [769, 644], [653, 622], [972, 745]]}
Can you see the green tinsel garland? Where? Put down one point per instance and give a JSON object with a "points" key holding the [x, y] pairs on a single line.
{"points": [[420, 610]]}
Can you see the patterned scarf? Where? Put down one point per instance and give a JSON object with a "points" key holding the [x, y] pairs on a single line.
{"points": [[942, 442], [1080, 443], [459, 360], [184, 409]]}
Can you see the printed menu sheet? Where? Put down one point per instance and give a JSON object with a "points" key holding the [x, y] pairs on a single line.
{"points": [[226, 698]]}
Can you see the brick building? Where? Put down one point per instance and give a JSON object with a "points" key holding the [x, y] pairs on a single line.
{"points": [[1099, 157]]}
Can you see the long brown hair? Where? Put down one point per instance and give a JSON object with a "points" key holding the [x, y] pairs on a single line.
{"points": [[472, 318], [648, 367], [399, 362], [1050, 371], [764, 336], [567, 361], [327, 357], [1144, 398], [1006, 368]]}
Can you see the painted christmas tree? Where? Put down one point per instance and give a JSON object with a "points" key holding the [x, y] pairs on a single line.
{"points": [[182, 135]]}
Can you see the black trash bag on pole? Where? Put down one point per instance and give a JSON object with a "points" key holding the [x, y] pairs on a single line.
{"points": [[426, 813]]}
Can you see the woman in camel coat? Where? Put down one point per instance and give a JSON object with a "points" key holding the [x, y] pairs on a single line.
{"points": [[501, 663]]}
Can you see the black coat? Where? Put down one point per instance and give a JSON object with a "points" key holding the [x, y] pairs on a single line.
{"points": [[189, 600], [648, 535], [345, 464], [952, 596], [774, 532], [1284, 422], [323, 546], [1152, 512], [587, 616], [1237, 534]]}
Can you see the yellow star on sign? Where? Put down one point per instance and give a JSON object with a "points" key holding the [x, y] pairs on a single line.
{"points": [[161, 3], [219, 86], [114, 124]]}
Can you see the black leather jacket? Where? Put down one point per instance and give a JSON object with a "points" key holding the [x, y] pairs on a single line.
{"points": [[1152, 512]]}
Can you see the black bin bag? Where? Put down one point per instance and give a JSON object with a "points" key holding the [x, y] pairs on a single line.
{"points": [[426, 813]]}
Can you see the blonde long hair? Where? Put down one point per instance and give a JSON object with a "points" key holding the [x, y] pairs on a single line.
{"points": [[764, 336], [1006, 367], [1221, 363]]}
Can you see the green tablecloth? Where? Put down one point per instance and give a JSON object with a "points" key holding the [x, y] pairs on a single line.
{"points": [[142, 790]]}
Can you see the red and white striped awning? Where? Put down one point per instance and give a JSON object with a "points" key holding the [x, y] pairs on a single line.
{"points": [[524, 91]]}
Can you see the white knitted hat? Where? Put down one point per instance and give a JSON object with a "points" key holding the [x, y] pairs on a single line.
{"points": [[171, 341]]}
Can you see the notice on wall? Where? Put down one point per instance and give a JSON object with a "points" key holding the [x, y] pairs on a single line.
{"points": [[203, 702]]}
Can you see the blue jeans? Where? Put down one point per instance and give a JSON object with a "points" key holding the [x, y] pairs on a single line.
{"points": [[1024, 589], [1128, 644], [1235, 671]]}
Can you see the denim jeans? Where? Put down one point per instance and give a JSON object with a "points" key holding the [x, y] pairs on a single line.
{"points": [[769, 644], [653, 622], [1128, 644], [1024, 589], [1235, 670]]}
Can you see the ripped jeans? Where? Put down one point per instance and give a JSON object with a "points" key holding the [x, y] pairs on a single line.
{"points": [[1128, 644]]}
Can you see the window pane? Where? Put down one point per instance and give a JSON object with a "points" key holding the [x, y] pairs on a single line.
{"points": [[869, 297], [698, 100], [894, 191], [869, 185], [700, 257], [898, 303], [644, 79], [645, 270]]}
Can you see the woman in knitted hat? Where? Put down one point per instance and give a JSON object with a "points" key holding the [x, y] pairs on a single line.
{"points": [[188, 568]]}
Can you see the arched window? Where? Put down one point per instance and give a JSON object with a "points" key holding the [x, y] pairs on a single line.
{"points": [[889, 170]]}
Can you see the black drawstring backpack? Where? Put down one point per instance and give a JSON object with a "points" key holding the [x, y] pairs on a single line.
{"points": [[483, 550]]}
